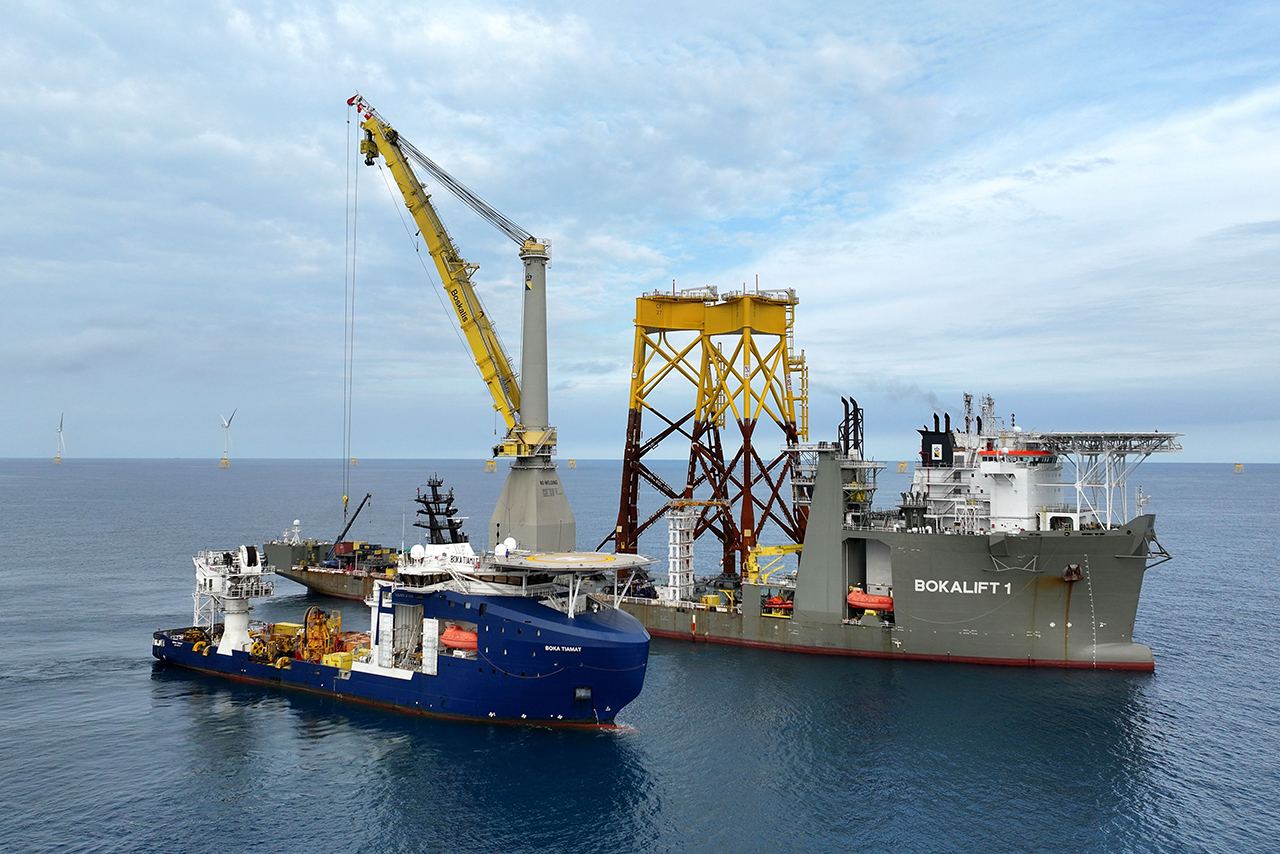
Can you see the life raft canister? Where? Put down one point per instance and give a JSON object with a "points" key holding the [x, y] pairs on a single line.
{"points": [[858, 599], [456, 638]]}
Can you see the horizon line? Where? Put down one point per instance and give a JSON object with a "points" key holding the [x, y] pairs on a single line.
{"points": [[1153, 459]]}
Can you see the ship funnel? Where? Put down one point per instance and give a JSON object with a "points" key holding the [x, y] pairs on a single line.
{"points": [[936, 426], [947, 416], [849, 431], [844, 426]]}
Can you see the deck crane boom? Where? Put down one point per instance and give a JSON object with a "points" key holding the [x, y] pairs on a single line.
{"points": [[532, 507]]}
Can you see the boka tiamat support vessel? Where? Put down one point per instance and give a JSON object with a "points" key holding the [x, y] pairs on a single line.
{"points": [[506, 637], [529, 631]]}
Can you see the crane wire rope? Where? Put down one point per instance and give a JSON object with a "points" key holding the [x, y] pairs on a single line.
{"points": [[438, 288], [349, 320], [487, 212], [351, 327], [435, 285], [346, 299], [495, 217]]}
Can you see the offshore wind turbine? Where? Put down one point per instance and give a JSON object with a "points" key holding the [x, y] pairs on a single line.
{"points": [[225, 462], [57, 457]]}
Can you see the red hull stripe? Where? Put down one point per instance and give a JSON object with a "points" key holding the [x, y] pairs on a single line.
{"points": [[1015, 454], [1138, 666]]}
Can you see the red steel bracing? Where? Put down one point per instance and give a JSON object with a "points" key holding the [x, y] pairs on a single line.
{"points": [[748, 505], [743, 495], [745, 483], [626, 534], [706, 465]]}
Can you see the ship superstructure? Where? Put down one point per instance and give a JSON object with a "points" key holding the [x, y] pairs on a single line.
{"points": [[990, 477]]}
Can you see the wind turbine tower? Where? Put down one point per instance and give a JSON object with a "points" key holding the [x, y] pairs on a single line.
{"points": [[225, 462], [57, 457]]}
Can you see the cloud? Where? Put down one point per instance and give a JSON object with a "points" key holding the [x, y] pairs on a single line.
{"points": [[96, 348], [1265, 230], [892, 387], [952, 195], [1100, 264]]}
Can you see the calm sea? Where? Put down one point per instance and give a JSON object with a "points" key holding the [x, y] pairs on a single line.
{"points": [[726, 749]]}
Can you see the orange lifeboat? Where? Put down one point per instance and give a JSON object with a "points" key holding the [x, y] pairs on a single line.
{"points": [[859, 599], [778, 602], [456, 638]]}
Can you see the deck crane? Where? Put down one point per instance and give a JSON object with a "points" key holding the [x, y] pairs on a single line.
{"points": [[532, 507]]}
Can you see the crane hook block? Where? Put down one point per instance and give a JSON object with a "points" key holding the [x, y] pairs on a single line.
{"points": [[368, 148]]}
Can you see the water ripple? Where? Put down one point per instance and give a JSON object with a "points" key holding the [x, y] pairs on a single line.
{"points": [[727, 749]]}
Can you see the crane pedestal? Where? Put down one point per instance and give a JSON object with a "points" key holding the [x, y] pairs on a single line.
{"points": [[532, 507]]}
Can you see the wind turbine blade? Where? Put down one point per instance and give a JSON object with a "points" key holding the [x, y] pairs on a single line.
{"points": [[60, 417], [233, 416]]}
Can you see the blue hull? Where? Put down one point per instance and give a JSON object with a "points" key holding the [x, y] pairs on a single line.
{"points": [[533, 665]]}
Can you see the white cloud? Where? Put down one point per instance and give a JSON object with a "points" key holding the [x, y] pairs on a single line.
{"points": [[1102, 257], [1032, 188]]}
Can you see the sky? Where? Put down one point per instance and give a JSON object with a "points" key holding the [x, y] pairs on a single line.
{"points": [[1073, 207]]}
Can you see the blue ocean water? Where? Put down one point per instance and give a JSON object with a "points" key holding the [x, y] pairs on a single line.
{"points": [[727, 749]]}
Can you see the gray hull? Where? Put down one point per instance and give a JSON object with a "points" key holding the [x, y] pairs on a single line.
{"points": [[342, 585], [300, 562], [992, 599]]}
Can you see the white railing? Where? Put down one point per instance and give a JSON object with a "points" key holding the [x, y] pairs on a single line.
{"points": [[248, 587], [682, 605]]}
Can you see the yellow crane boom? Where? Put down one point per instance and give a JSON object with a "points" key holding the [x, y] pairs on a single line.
{"points": [[455, 275], [531, 508]]}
